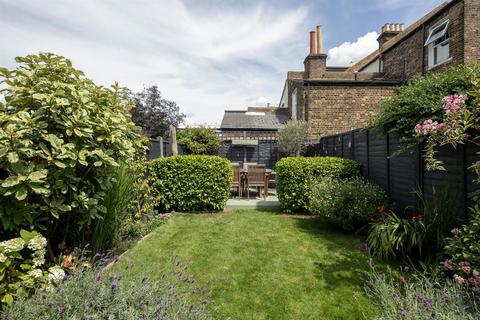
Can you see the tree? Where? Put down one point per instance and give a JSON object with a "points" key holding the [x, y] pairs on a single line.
{"points": [[61, 139], [292, 136], [155, 114], [199, 141]]}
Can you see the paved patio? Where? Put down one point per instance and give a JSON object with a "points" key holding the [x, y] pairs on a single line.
{"points": [[271, 202]]}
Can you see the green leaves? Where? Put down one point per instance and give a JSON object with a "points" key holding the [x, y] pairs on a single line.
{"points": [[191, 183], [296, 174], [61, 137]]}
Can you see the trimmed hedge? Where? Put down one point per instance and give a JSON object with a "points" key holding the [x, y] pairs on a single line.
{"points": [[191, 182], [296, 174]]}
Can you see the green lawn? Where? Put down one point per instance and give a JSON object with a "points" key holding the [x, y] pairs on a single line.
{"points": [[261, 265]]}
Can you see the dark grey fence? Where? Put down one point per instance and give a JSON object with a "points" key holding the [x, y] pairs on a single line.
{"points": [[264, 153], [400, 174]]}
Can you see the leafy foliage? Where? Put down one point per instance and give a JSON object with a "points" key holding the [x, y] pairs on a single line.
{"points": [[295, 176], [349, 204], [155, 114], [119, 205], [21, 263], [464, 244], [92, 295], [421, 99], [420, 236], [199, 141], [191, 183], [61, 139], [292, 136], [419, 296], [393, 235]]}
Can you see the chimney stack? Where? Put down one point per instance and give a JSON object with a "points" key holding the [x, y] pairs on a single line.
{"points": [[316, 62], [389, 30]]}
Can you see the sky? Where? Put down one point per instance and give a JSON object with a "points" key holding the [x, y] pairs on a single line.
{"points": [[208, 56]]}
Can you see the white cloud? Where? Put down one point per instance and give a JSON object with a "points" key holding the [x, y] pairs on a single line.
{"points": [[262, 101], [348, 53], [206, 61]]}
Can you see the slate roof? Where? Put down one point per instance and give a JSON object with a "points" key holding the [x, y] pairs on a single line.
{"points": [[239, 120]]}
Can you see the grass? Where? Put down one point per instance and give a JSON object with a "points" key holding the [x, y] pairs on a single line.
{"points": [[261, 265]]}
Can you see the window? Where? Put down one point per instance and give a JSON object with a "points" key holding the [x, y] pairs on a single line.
{"points": [[438, 44], [294, 104]]}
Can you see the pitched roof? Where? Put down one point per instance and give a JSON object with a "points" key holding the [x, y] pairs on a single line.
{"points": [[398, 38], [241, 120]]}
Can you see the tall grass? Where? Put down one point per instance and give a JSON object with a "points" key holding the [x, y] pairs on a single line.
{"points": [[119, 202]]}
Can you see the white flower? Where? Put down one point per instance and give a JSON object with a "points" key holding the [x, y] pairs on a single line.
{"points": [[37, 243], [35, 273], [55, 274], [38, 261], [3, 258], [13, 245]]}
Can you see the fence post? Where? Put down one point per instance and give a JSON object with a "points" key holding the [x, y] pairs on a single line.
{"points": [[352, 144], [160, 139]]}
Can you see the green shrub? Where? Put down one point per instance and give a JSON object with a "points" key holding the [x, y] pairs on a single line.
{"points": [[421, 236], [422, 99], [61, 139], [392, 236], [464, 244], [296, 174], [199, 141], [191, 183], [419, 296], [349, 204], [91, 295]]}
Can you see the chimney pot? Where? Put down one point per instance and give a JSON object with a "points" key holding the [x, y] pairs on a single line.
{"points": [[312, 42], [319, 40]]}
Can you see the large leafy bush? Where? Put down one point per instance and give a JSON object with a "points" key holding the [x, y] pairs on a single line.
{"points": [[191, 182], [422, 99], [199, 141], [61, 139], [295, 176], [349, 204]]}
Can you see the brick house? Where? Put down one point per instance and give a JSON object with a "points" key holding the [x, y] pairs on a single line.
{"points": [[335, 99]]}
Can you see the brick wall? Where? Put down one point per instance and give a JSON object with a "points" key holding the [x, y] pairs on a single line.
{"points": [[409, 57], [472, 30], [334, 109]]}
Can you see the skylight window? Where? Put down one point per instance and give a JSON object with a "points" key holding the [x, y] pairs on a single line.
{"points": [[437, 32]]}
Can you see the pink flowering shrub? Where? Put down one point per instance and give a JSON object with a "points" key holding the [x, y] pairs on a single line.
{"points": [[463, 273], [461, 123], [454, 102], [428, 127]]}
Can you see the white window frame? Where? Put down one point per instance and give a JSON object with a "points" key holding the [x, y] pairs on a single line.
{"points": [[433, 43], [434, 35]]}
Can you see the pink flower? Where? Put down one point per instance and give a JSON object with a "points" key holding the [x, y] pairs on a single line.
{"points": [[459, 279], [476, 273], [466, 269], [429, 126], [454, 102], [448, 265]]}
